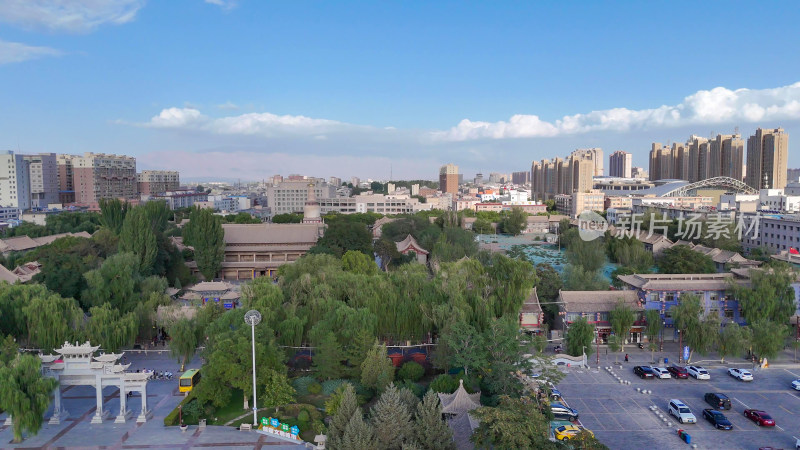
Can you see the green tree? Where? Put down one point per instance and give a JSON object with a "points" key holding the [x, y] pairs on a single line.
{"points": [[682, 259], [622, 318], [52, 320], [358, 262], [287, 218], [391, 420], [348, 406], [113, 282], [25, 394], [204, 232], [732, 340], [411, 371], [687, 318], [183, 340], [341, 237], [431, 431], [768, 337], [586, 254], [110, 329], [769, 296], [358, 434], [137, 237], [8, 350], [328, 358], [277, 391], [467, 346], [377, 371], [112, 213], [578, 278], [514, 423], [515, 221], [579, 337], [653, 330], [622, 270], [482, 226], [505, 349]]}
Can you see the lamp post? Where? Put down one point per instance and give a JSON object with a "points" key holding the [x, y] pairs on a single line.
{"points": [[597, 341], [252, 318], [180, 415], [661, 345], [680, 347]]}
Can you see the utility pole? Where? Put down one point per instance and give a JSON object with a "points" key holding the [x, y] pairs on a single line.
{"points": [[252, 318], [598, 348], [680, 347]]}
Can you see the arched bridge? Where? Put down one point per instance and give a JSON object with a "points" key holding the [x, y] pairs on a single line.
{"points": [[727, 183]]}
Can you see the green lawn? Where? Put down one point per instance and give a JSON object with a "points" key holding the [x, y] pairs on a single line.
{"points": [[230, 411]]}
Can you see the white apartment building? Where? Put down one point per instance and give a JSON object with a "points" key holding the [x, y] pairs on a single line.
{"points": [[375, 203], [15, 184], [774, 233], [181, 199], [290, 196]]}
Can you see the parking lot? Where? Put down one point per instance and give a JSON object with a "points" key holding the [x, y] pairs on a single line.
{"points": [[622, 419]]}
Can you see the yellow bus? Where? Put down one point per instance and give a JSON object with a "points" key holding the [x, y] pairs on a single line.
{"points": [[188, 380]]}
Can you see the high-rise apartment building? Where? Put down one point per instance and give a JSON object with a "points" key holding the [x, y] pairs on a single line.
{"points": [[448, 179], [66, 188], [767, 159], [639, 172], [43, 176], [15, 183], [661, 163], [595, 155], [98, 175], [154, 182], [291, 196], [680, 161], [620, 164], [551, 177]]}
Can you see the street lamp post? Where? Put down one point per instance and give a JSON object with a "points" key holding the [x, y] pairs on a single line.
{"points": [[252, 318], [663, 325], [680, 347], [597, 341]]}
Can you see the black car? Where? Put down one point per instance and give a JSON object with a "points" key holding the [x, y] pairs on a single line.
{"points": [[644, 372], [717, 419], [563, 412], [717, 400]]}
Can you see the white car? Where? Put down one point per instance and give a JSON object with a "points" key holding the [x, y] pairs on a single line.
{"points": [[661, 372], [681, 412], [698, 372], [796, 385], [741, 374]]}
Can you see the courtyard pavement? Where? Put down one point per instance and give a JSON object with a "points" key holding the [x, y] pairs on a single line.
{"points": [[622, 419], [78, 433]]}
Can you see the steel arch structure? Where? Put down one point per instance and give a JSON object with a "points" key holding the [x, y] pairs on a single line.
{"points": [[727, 183]]}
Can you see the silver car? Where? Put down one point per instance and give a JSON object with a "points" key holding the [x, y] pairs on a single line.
{"points": [[661, 372]]}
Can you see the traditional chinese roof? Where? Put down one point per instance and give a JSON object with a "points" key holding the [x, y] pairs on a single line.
{"points": [[678, 282], [23, 243], [377, 227], [597, 301], [410, 244], [211, 286], [531, 305], [270, 233], [84, 349], [463, 426], [460, 401]]}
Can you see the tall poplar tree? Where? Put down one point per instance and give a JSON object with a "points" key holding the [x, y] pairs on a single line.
{"points": [[204, 232], [137, 236]]}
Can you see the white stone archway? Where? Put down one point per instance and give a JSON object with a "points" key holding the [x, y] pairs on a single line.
{"points": [[75, 365]]}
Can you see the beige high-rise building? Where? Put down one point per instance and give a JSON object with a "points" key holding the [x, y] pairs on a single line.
{"points": [[592, 200], [152, 182], [551, 177], [680, 161], [661, 162], [732, 156], [767, 159], [98, 175], [620, 164], [594, 154], [703, 156], [448, 179], [693, 144]]}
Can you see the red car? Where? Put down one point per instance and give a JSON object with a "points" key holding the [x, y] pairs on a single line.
{"points": [[678, 371], [760, 417]]}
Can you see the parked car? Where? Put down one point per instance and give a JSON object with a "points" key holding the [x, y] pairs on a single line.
{"points": [[661, 372], [644, 372], [717, 400], [796, 385], [563, 412], [741, 374], [681, 412], [565, 432], [698, 372], [717, 419], [759, 417], [678, 371]]}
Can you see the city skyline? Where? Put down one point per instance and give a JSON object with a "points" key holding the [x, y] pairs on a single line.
{"points": [[162, 82]]}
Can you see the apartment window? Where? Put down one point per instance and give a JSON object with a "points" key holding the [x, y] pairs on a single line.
{"points": [[729, 313]]}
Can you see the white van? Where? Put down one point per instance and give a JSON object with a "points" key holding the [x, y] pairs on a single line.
{"points": [[681, 412]]}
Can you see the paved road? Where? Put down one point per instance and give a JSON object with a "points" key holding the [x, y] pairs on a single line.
{"points": [[77, 432], [620, 417]]}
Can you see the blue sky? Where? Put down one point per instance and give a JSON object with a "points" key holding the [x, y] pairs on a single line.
{"points": [[253, 88]]}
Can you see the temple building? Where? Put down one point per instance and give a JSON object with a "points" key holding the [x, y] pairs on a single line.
{"points": [[408, 245], [311, 210]]}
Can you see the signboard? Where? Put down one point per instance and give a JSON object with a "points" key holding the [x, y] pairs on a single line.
{"points": [[685, 352], [228, 305], [274, 426]]}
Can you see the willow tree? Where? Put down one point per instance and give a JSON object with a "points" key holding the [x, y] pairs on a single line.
{"points": [[621, 318], [52, 320], [110, 329], [25, 394], [183, 340]]}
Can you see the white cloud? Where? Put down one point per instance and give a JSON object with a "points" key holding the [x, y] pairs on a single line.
{"points": [[13, 52], [263, 124], [72, 16], [718, 105], [228, 105], [224, 4]]}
